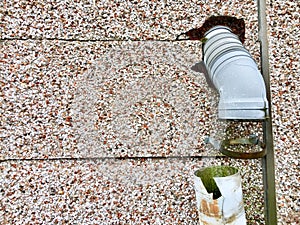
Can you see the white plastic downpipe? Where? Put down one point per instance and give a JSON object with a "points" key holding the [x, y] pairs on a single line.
{"points": [[235, 75], [227, 209]]}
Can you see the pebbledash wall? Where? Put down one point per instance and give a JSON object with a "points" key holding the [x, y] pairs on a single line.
{"points": [[86, 83]]}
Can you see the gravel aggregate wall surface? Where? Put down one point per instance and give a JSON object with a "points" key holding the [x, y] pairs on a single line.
{"points": [[85, 82]]}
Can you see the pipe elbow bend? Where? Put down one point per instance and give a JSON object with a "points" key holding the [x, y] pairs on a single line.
{"points": [[235, 75]]}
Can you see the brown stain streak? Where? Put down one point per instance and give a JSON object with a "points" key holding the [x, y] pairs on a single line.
{"points": [[210, 208]]}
